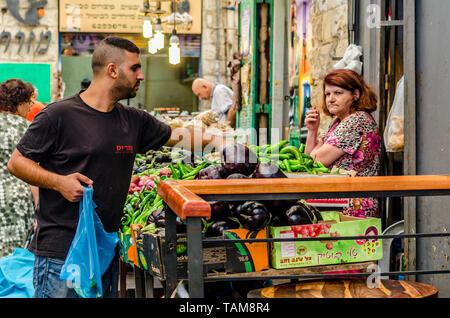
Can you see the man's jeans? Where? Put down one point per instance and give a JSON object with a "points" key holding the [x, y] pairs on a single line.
{"points": [[47, 283]]}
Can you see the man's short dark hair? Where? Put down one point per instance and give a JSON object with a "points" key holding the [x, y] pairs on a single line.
{"points": [[110, 50]]}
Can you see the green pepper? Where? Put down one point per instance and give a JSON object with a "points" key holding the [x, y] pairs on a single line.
{"points": [[321, 170], [287, 165], [274, 149], [128, 209], [194, 172], [294, 162], [306, 156], [182, 169], [144, 202], [302, 148], [292, 149], [126, 230], [135, 215], [308, 162], [280, 156], [126, 221], [175, 172]]}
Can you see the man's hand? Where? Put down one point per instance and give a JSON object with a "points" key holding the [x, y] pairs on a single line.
{"points": [[70, 186], [32, 173]]}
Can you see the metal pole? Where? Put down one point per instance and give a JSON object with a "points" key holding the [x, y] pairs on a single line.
{"points": [[410, 127], [195, 257], [170, 250]]}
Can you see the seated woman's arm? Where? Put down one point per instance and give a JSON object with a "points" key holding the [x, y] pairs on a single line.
{"points": [[327, 154]]}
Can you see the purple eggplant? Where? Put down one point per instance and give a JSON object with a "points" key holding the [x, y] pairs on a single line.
{"points": [[267, 170], [159, 218], [237, 158], [217, 228], [211, 172], [301, 213], [253, 215], [237, 176], [219, 210]]}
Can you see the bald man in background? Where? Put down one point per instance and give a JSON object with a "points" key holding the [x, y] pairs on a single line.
{"points": [[221, 99]]}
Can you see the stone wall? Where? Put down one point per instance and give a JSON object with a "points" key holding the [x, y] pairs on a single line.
{"points": [[219, 41], [48, 22], [329, 23]]}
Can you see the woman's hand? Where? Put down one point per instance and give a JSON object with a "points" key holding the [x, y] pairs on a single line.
{"points": [[312, 119]]}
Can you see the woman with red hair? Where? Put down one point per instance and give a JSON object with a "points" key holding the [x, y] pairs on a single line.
{"points": [[352, 140]]}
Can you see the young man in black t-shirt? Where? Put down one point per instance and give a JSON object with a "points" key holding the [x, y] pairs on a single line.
{"points": [[88, 139]]}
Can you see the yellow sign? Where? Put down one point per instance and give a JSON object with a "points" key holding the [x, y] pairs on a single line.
{"points": [[118, 16]]}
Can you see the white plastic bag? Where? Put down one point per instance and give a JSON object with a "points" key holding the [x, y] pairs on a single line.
{"points": [[351, 59], [394, 134]]}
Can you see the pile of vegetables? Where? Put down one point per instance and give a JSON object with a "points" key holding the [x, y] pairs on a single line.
{"points": [[144, 206], [289, 158]]}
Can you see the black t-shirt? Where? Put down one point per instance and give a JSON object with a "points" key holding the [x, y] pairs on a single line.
{"points": [[68, 136]]}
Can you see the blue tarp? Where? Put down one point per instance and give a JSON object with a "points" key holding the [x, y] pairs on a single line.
{"points": [[16, 274]]}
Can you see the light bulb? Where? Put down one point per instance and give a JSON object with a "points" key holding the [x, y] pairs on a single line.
{"points": [[159, 40], [174, 53], [147, 29], [152, 49]]}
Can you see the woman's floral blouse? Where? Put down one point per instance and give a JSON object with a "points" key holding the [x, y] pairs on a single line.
{"points": [[358, 136]]}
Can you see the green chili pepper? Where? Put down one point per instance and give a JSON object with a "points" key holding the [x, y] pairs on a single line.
{"points": [[302, 148], [175, 172], [291, 149], [182, 169], [321, 170], [196, 170], [126, 230], [287, 165], [308, 162], [135, 215], [277, 147], [144, 202], [294, 162], [129, 209], [126, 221], [280, 156], [306, 156]]}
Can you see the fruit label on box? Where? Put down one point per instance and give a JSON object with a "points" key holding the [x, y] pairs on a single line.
{"points": [[287, 248]]}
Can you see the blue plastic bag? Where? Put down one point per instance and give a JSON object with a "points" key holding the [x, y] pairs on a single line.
{"points": [[91, 251], [16, 274]]}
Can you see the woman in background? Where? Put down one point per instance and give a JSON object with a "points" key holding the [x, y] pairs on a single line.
{"points": [[16, 200], [352, 140]]}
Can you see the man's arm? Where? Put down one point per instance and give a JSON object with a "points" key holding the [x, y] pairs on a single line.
{"points": [[195, 139], [32, 173]]}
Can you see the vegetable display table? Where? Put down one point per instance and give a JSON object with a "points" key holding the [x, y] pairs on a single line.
{"points": [[188, 200]]}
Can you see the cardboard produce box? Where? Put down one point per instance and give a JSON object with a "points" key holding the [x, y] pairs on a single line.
{"points": [[230, 258], [313, 253], [127, 248]]}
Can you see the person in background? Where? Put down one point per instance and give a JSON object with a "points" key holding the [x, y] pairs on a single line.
{"points": [[352, 140], [36, 106], [221, 99], [16, 204], [85, 83], [89, 139]]}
